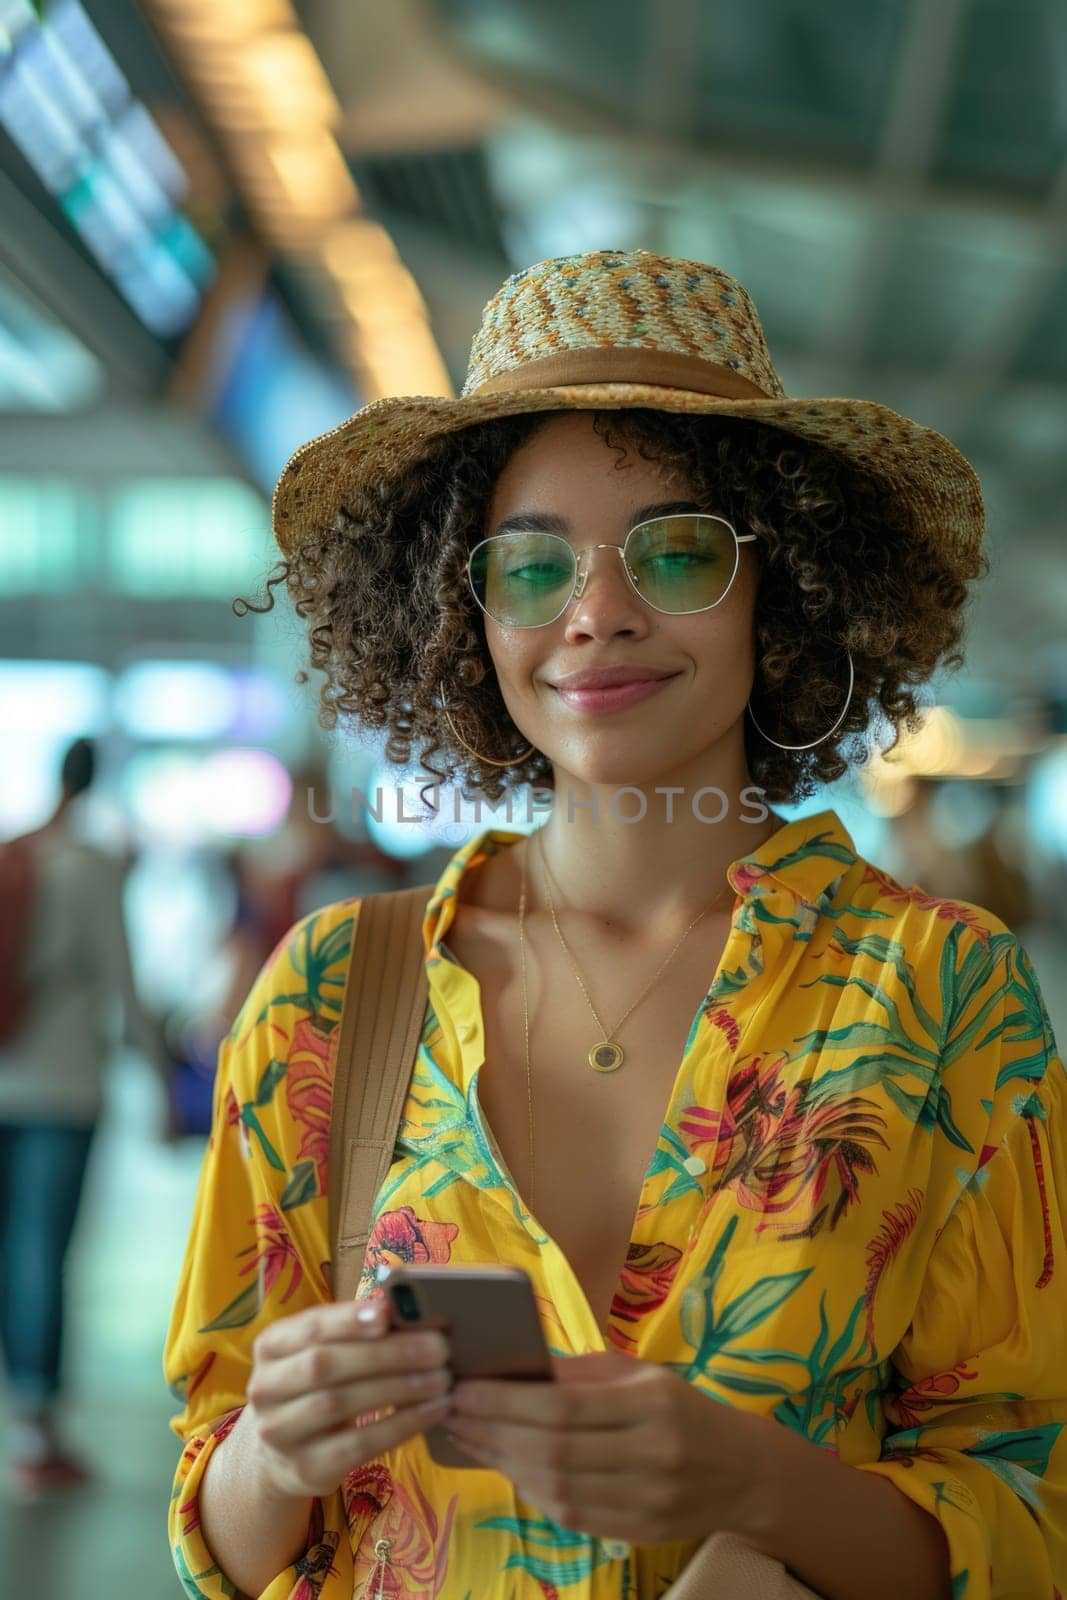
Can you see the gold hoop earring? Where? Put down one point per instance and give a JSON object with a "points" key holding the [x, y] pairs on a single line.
{"points": [[487, 759], [823, 736]]}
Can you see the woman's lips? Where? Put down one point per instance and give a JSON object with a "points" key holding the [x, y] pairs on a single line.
{"points": [[616, 698]]}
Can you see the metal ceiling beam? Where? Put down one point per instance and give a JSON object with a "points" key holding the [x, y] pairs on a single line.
{"points": [[985, 353], [668, 90], [672, 57], [983, 356], [76, 294], [899, 194], [920, 83]]}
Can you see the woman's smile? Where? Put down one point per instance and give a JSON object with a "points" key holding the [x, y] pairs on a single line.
{"points": [[616, 698]]}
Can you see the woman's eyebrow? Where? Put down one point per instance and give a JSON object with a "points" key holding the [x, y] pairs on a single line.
{"points": [[532, 522], [665, 508], [549, 522]]}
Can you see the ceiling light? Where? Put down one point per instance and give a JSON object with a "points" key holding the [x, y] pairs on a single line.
{"points": [[313, 175], [207, 20]]}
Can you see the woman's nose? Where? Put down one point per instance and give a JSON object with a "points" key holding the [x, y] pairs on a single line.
{"points": [[609, 562], [602, 590]]}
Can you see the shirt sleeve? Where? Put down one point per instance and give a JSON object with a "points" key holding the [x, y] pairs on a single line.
{"points": [[978, 1397], [258, 1245]]}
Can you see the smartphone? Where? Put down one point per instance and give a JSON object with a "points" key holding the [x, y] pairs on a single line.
{"points": [[489, 1315]]}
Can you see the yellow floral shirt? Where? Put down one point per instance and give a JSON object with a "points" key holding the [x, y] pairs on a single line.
{"points": [[853, 1222]]}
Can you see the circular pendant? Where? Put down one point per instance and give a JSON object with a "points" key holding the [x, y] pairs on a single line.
{"points": [[605, 1057]]}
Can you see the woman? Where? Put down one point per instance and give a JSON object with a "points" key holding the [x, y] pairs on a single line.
{"points": [[743, 1107]]}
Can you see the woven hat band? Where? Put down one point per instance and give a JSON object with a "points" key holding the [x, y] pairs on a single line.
{"points": [[623, 364]]}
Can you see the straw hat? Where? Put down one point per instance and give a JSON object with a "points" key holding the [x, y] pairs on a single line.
{"points": [[622, 328]]}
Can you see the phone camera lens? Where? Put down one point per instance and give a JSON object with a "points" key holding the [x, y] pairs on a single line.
{"points": [[405, 1302]]}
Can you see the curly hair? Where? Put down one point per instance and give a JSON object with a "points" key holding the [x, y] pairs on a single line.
{"points": [[391, 615]]}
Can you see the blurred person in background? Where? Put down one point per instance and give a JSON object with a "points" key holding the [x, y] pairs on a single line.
{"points": [[304, 864], [73, 961], [309, 861]]}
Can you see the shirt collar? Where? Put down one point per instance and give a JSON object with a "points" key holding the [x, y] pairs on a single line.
{"points": [[804, 857]]}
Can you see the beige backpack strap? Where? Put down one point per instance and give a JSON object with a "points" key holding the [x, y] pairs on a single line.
{"points": [[382, 1015]]}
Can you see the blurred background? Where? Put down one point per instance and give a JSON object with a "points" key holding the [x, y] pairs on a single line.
{"points": [[224, 227]]}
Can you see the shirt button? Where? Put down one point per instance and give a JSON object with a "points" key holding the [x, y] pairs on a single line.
{"points": [[695, 1166], [467, 1031], [615, 1549]]}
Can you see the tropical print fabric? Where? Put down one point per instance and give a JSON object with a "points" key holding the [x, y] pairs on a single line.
{"points": [[853, 1223]]}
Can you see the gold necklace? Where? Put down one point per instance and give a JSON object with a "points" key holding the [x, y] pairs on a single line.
{"points": [[606, 1056], [526, 1021]]}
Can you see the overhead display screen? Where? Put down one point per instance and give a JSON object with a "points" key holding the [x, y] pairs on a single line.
{"points": [[69, 110]]}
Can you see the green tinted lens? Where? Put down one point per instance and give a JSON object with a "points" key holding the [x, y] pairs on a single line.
{"points": [[682, 563], [522, 579]]}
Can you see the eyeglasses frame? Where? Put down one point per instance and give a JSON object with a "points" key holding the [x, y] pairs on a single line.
{"points": [[581, 575]]}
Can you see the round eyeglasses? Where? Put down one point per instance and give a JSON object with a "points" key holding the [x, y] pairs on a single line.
{"points": [[676, 564]]}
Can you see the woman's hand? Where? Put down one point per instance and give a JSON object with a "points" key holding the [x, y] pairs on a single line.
{"points": [[617, 1448], [317, 1380]]}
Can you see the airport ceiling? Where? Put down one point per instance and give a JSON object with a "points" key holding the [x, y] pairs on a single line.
{"points": [[888, 179]]}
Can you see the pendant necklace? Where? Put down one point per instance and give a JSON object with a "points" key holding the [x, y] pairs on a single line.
{"points": [[606, 1056]]}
